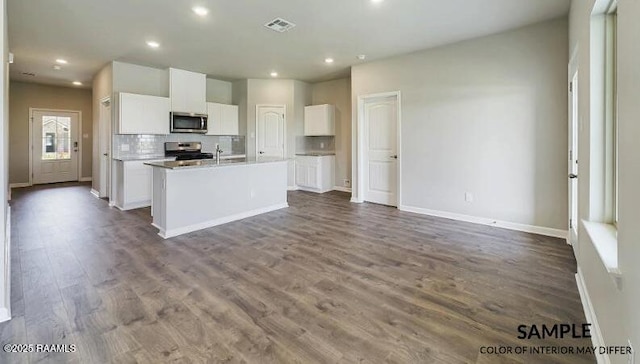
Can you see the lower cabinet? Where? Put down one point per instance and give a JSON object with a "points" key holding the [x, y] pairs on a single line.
{"points": [[133, 181], [315, 173]]}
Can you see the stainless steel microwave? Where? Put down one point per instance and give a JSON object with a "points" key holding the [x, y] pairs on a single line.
{"points": [[188, 123]]}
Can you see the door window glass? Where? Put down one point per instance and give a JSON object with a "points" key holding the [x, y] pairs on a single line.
{"points": [[56, 140]]}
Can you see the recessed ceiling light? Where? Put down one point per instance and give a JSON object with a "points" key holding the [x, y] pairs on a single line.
{"points": [[328, 60], [362, 57], [56, 67], [199, 10], [274, 74], [77, 83], [376, 1], [61, 61], [153, 44]]}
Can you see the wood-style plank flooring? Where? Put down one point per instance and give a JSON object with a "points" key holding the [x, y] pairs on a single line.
{"points": [[323, 281]]}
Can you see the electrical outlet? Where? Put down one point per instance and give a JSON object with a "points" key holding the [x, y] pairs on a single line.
{"points": [[124, 147], [321, 145], [346, 183], [631, 359], [468, 197]]}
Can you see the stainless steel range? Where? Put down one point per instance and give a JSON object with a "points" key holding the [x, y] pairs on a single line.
{"points": [[184, 151]]}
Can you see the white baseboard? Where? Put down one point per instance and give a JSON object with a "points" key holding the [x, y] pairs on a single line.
{"points": [[85, 179], [292, 188], [95, 193], [4, 314], [19, 185], [341, 189], [356, 200], [166, 234], [557, 233], [590, 315], [134, 205]]}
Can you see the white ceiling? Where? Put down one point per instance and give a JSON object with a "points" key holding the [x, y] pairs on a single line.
{"points": [[232, 43]]}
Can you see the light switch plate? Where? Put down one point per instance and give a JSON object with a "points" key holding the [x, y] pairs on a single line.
{"points": [[468, 197]]}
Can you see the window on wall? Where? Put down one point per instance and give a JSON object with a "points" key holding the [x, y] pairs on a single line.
{"points": [[611, 118]]}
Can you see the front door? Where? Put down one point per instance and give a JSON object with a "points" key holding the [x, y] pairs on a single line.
{"points": [[573, 160], [381, 150], [55, 146], [270, 132]]}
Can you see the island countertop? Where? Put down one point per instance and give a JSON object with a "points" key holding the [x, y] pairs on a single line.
{"points": [[210, 163]]}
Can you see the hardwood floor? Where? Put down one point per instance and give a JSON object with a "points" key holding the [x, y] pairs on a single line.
{"points": [[324, 281]]}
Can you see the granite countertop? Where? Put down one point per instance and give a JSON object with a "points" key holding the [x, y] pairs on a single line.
{"points": [[210, 163], [141, 158], [162, 157], [315, 154]]}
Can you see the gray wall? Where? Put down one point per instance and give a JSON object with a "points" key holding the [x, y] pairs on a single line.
{"points": [[486, 116], [4, 168], [219, 91], [616, 308], [338, 93], [23, 96], [142, 80]]}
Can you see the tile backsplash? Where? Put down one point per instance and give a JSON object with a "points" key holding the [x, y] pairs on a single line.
{"points": [[125, 146], [306, 144]]}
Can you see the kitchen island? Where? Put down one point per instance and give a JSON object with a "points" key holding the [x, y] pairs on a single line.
{"points": [[198, 194]]}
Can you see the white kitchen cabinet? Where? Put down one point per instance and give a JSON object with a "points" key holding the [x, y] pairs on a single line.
{"points": [[319, 120], [133, 181], [141, 114], [223, 119], [188, 91], [315, 173]]}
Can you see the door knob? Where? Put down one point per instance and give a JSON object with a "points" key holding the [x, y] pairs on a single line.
{"points": [[105, 154], [572, 176], [394, 156], [261, 152]]}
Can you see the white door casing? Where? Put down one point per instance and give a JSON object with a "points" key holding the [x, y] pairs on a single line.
{"points": [[270, 131], [380, 158], [55, 146], [573, 160], [104, 148]]}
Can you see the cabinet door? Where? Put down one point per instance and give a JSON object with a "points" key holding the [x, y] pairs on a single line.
{"points": [[229, 120], [214, 122], [143, 114], [313, 178], [301, 175], [188, 91], [137, 182], [319, 120]]}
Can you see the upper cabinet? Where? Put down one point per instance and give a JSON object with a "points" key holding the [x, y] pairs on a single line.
{"points": [[188, 91], [141, 114], [223, 119], [319, 120]]}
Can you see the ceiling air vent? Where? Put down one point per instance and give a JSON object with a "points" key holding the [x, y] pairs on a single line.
{"points": [[279, 25]]}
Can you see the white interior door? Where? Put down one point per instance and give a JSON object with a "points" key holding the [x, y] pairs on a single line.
{"points": [[270, 132], [573, 160], [55, 146], [105, 148], [381, 150]]}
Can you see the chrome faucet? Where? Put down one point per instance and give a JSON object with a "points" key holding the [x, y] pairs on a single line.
{"points": [[218, 152]]}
